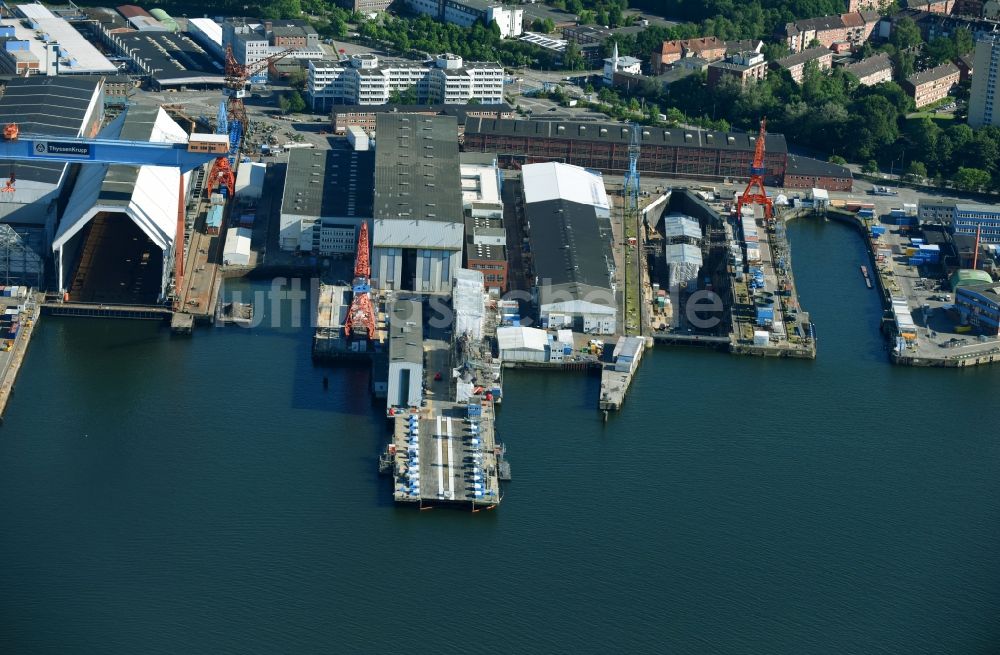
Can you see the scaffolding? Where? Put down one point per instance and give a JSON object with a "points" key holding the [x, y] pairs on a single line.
{"points": [[20, 263]]}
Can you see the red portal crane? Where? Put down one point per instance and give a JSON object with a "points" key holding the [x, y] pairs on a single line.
{"points": [[361, 315], [755, 192], [235, 89]]}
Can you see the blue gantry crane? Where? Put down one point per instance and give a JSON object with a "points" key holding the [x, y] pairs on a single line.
{"points": [[199, 150]]}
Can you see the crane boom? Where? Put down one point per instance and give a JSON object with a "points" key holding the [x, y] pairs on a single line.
{"points": [[202, 149], [755, 191]]}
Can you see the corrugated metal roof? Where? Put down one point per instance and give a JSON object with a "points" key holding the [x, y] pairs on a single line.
{"points": [[521, 338], [417, 172], [553, 181]]}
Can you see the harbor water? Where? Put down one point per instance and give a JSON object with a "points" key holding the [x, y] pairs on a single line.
{"points": [[208, 495]]}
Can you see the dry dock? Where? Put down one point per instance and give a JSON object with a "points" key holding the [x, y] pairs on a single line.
{"points": [[446, 455]]}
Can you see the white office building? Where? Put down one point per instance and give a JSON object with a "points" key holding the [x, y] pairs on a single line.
{"points": [[367, 80]]}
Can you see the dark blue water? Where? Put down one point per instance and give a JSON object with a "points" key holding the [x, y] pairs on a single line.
{"points": [[208, 496]]}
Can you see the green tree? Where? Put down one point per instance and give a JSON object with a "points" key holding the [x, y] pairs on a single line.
{"points": [[291, 102], [298, 79], [873, 126], [544, 25], [940, 50], [971, 179], [870, 167], [574, 6], [405, 97], [905, 34], [916, 171], [964, 42], [837, 159], [903, 63], [573, 58]]}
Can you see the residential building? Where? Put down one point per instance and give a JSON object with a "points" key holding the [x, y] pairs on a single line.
{"points": [[328, 195], [419, 230], [744, 67], [969, 8], [982, 220], [931, 6], [982, 108], [966, 67], [509, 19], [614, 64], [871, 71], [568, 218], [367, 80], [671, 152], [979, 305], [808, 173], [363, 116], [853, 27], [795, 64], [744, 45], [709, 48], [931, 85], [867, 5]]}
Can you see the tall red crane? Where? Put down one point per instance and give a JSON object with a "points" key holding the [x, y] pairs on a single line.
{"points": [[361, 315], [755, 192], [235, 89]]}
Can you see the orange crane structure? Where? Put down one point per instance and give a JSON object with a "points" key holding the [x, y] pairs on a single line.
{"points": [[361, 315], [755, 192], [235, 89]]}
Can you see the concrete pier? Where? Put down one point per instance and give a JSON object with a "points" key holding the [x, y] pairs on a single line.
{"points": [[617, 373], [446, 455], [11, 360]]}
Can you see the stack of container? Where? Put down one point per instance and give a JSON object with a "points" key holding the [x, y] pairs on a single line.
{"points": [[877, 230], [508, 311], [756, 278], [750, 237], [213, 223], [924, 254], [246, 220]]}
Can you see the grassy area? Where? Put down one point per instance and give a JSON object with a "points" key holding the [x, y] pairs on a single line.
{"points": [[943, 119]]}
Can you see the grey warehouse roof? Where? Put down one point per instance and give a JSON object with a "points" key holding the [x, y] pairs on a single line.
{"points": [[619, 133], [46, 105], [798, 165], [569, 243], [173, 58], [330, 183], [417, 172], [406, 325]]}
